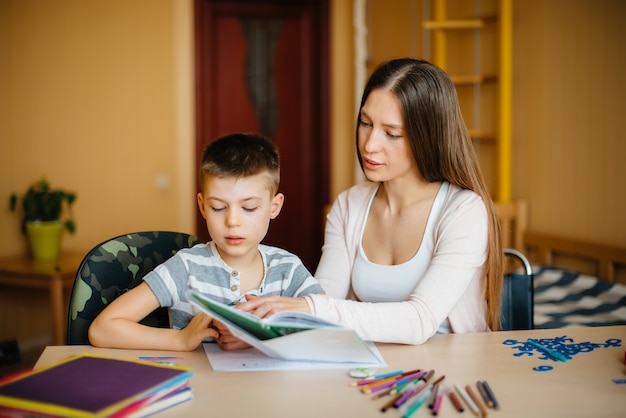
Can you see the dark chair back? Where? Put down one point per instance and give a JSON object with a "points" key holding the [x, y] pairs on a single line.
{"points": [[517, 311], [112, 268]]}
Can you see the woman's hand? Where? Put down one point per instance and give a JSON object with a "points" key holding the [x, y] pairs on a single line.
{"points": [[266, 306], [261, 307]]}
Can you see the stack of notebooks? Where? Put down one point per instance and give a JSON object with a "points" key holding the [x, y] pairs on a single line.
{"points": [[89, 385]]}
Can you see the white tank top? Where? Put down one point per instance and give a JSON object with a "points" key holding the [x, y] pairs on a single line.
{"points": [[373, 282]]}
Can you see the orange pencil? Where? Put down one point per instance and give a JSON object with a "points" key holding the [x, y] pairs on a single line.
{"points": [[392, 382], [368, 388], [383, 393], [391, 402]]}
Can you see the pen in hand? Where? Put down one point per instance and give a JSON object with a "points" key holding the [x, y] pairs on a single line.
{"points": [[241, 299]]}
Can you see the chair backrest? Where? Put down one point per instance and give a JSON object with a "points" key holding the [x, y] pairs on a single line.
{"points": [[112, 268], [513, 219], [517, 311]]}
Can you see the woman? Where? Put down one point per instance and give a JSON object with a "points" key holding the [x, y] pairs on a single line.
{"points": [[417, 249]]}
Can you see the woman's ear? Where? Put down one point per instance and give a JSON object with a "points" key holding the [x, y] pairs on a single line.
{"points": [[277, 204]]}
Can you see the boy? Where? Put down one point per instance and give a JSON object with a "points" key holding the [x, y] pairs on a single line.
{"points": [[239, 177]]}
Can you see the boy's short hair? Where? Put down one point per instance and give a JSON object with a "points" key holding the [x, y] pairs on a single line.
{"points": [[241, 155]]}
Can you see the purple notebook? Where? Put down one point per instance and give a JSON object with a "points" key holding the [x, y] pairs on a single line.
{"points": [[91, 385]]}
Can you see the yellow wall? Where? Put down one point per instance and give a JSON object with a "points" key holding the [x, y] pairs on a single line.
{"points": [[342, 116], [569, 142], [569, 145], [97, 96]]}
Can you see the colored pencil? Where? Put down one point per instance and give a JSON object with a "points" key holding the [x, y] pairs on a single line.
{"points": [[415, 388], [406, 380], [411, 407], [429, 375], [456, 401], [388, 374], [379, 385], [433, 395], [476, 399], [437, 404], [384, 384], [491, 395], [436, 382], [382, 393], [373, 381], [468, 401], [483, 392], [389, 404]]}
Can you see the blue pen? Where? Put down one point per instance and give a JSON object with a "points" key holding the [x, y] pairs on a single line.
{"points": [[380, 376]]}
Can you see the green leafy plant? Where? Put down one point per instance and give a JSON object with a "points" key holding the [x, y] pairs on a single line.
{"points": [[44, 204]]}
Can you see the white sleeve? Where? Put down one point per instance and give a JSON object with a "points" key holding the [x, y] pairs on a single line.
{"points": [[335, 267]]}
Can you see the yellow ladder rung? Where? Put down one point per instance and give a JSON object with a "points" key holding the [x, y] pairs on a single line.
{"points": [[472, 78], [453, 24], [482, 135]]}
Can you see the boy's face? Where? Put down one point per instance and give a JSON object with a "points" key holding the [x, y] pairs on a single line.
{"points": [[238, 212]]}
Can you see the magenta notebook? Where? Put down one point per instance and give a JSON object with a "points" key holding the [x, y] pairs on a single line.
{"points": [[90, 386]]}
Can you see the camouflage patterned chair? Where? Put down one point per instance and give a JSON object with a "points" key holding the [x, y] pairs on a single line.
{"points": [[113, 267]]}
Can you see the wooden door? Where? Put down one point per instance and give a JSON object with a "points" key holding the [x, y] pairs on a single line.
{"points": [[261, 66]]}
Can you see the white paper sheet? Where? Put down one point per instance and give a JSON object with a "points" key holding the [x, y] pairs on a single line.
{"points": [[252, 359]]}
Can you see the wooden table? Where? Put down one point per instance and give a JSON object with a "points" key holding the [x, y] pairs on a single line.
{"points": [[55, 276], [580, 387]]}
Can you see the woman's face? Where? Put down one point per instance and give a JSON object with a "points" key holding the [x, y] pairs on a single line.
{"points": [[382, 140]]}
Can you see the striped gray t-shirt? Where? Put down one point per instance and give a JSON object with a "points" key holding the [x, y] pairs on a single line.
{"points": [[202, 269]]}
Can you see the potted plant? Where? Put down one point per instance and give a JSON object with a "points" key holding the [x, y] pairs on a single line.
{"points": [[42, 221]]}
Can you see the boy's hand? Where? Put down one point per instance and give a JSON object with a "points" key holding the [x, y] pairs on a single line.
{"points": [[266, 306], [226, 340], [198, 329]]}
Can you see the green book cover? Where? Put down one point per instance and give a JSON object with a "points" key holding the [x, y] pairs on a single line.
{"points": [[277, 325]]}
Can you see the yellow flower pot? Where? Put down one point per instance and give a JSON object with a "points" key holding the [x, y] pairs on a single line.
{"points": [[45, 239]]}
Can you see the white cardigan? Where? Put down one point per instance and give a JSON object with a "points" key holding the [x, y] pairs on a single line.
{"points": [[453, 286]]}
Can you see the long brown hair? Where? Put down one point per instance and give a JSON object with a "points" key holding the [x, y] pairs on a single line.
{"points": [[442, 147]]}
